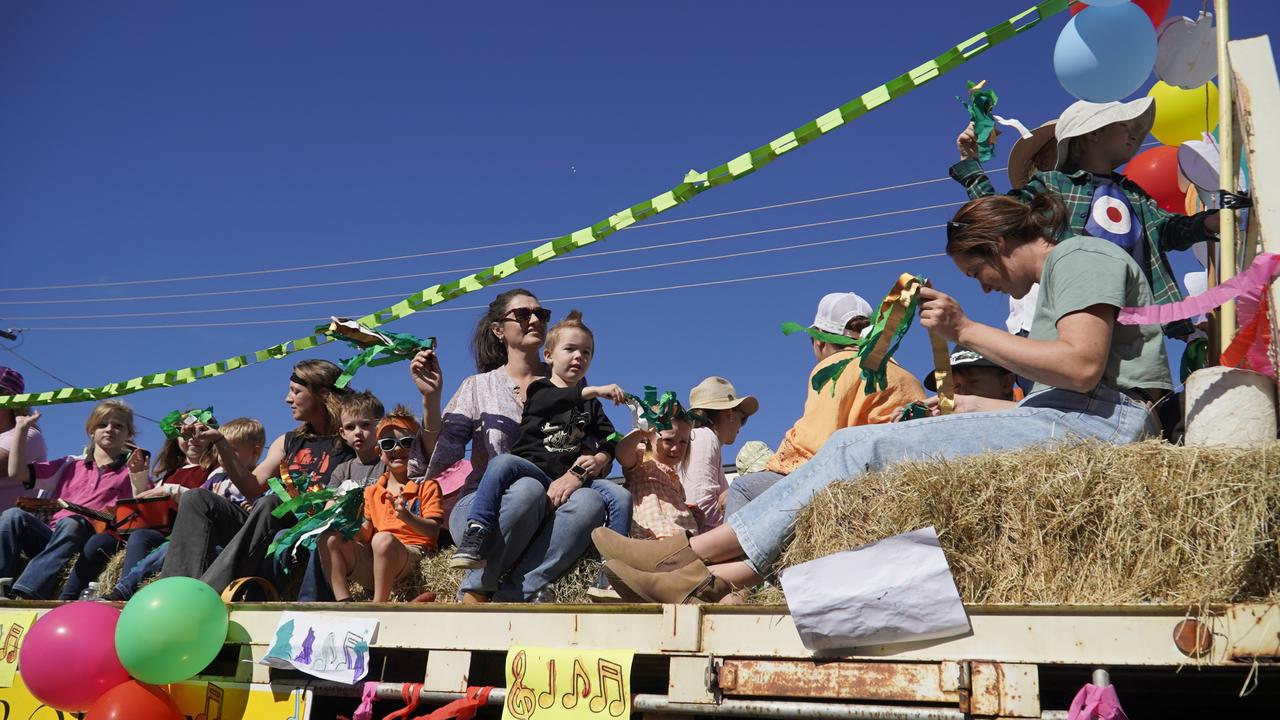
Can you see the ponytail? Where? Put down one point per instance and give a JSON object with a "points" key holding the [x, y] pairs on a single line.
{"points": [[983, 227]]}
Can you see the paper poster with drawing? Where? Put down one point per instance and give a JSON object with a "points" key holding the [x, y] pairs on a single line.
{"points": [[332, 647], [13, 627]]}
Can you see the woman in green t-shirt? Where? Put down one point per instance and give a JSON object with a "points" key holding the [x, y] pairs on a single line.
{"points": [[1090, 373]]}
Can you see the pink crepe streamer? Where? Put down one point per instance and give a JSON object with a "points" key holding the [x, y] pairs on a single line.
{"points": [[1257, 355], [367, 695], [1258, 276], [1096, 703]]}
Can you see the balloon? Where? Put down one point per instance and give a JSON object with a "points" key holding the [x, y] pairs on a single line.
{"points": [[132, 700], [1182, 115], [68, 659], [171, 630], [1105, 53], [1156, 172], [1155, 9]]}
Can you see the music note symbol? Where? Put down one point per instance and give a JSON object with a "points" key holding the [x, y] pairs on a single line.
{"points": [[212, 698], [610, 673], [521, 700], [548, 698], [9, 652], [581, 686]]}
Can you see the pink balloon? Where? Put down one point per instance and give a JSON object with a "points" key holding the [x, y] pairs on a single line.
{"points": [[68, 658]]}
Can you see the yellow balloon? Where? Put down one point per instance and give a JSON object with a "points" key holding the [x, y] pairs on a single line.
{"points": [[1181, 115]]}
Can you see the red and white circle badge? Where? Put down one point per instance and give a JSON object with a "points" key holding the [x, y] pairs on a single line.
{"points": [[1112, 215]]}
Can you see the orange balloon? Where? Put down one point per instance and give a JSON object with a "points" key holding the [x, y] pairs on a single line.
{"points": [[133, 700], [1156, 172]]}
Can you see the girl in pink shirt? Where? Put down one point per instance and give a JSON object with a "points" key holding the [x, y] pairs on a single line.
{"points": [[106, 473]]}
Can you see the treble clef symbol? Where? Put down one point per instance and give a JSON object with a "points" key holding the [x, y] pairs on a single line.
{"points": [[521, 700]]}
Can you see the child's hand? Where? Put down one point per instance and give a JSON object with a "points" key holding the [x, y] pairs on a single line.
{"points": [[426, 373], [401, 509], [137, 461], [612, 392], [202, 436], [560, 490], [22, 422], [590, 465], [967, 144]]}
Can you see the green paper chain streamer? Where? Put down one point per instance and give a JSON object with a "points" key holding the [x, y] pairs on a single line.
{"points": [[344, 516], [403, 346], [694, 184], [171, 424], [790, 328], [981, 103]]}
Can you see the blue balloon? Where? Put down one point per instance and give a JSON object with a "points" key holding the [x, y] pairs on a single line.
{"points": [[1105, 53]]}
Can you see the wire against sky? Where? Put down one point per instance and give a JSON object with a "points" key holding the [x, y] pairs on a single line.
{"points": [[391, 258], [591, 296], [523, 281], [385, 278]]}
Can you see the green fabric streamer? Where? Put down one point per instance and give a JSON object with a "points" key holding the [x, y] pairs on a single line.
{"points": [[981, 103], [659, 413], [914, 411], [829, 374], [302, 504], [171, 424], [402, 347], [790, 328], [877, 378], [693, 184], [344, 516]]}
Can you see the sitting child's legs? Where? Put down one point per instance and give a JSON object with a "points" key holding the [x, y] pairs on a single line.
{"points": [[93, 559], [41, 577], [132, 580], [392, 559], [341, 559], [617, 502], [501, 473]]}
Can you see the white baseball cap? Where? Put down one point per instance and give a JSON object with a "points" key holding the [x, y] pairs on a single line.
{"points": [[835, 310]]}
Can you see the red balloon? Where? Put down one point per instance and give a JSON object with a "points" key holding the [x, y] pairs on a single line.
{"points": [[132, 700], [1156, 171], [1155, 9]]}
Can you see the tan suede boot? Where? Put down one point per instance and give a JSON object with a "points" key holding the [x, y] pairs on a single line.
{"points": [[692, 583], [647, 555]]}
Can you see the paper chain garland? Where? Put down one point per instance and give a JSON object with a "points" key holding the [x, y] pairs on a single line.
{"points": [[171, 424], [890, 323], [694, 184]]}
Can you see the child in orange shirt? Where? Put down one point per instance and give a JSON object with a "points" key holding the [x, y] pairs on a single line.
{"points": [[402, 520]]}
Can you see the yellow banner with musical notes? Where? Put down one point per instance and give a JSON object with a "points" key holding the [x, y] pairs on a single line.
{"points": [[13, 627], [568, 683]]}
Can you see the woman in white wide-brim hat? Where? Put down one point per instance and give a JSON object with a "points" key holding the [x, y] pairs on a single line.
{"points": [[726, 411]]}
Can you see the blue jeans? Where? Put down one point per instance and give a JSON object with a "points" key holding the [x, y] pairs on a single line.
{"points": [[746, 488], [533, 547], [315, 586], [504, 470], [49, 549], [149, 563], [767, 523]]}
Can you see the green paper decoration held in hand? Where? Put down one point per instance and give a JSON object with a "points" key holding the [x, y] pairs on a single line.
{"points": [[344, 516], [376, 348], [173, 423], [655, 413], [171, 630], [981, 103], [693, 184]]}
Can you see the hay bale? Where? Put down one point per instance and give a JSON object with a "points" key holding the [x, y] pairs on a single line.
{"points": [[434, 574], [112, 573], [1085, 524]]}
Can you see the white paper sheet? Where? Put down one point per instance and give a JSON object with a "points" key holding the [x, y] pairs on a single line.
{"points": [[896, 590], [331, 647]]}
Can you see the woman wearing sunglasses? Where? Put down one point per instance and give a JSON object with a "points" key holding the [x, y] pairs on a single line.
{"points": [[1092, 375], [486, 412]]}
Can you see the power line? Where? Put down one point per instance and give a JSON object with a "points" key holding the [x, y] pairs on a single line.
{"points": [[66, 383], [451, 251], [581, 256], [455, 308], [523, 281]]}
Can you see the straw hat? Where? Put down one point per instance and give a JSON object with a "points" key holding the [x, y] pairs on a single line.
{"points": [[1025, 159], [716, 393]]}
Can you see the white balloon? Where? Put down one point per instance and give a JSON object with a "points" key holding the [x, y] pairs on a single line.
{"points": [[1187, 51]]}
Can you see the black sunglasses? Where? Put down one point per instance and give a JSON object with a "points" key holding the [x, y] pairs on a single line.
{"points": [[952, 227], [389, 444], [523, 315]]}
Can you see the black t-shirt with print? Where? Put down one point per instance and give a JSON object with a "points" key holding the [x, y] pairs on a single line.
{"points": [[558, 426], [317, 455]]}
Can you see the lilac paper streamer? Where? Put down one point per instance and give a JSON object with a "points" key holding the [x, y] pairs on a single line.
{"points": [[1259, 275]]}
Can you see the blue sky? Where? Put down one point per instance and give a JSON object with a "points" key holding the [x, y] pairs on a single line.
{"points": [[150, 140]]}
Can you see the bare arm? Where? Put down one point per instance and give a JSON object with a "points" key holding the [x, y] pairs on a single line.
{"points": [[425, 371], [1075, 361], [18, 469], [250, 482], [627, 452]]}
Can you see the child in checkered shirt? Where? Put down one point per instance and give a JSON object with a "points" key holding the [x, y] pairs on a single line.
{"points": [[652, 462]]}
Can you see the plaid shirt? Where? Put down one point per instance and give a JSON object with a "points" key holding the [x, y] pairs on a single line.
{"points": [[658, 505], [1164, 230]]}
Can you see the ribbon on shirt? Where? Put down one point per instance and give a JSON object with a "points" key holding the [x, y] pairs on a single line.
{"points": [[890, 323], [171, 424], [377, 348], [980, 103], [694, 184], [344, 516]]}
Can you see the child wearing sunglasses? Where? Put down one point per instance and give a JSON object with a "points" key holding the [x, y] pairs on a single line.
{"points": [[402, 520]]}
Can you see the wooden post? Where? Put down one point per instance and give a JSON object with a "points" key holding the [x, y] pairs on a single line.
{"points": [[1228, 168]]}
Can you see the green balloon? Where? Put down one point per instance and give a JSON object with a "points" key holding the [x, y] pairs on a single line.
{"points": [[171, 630]]}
